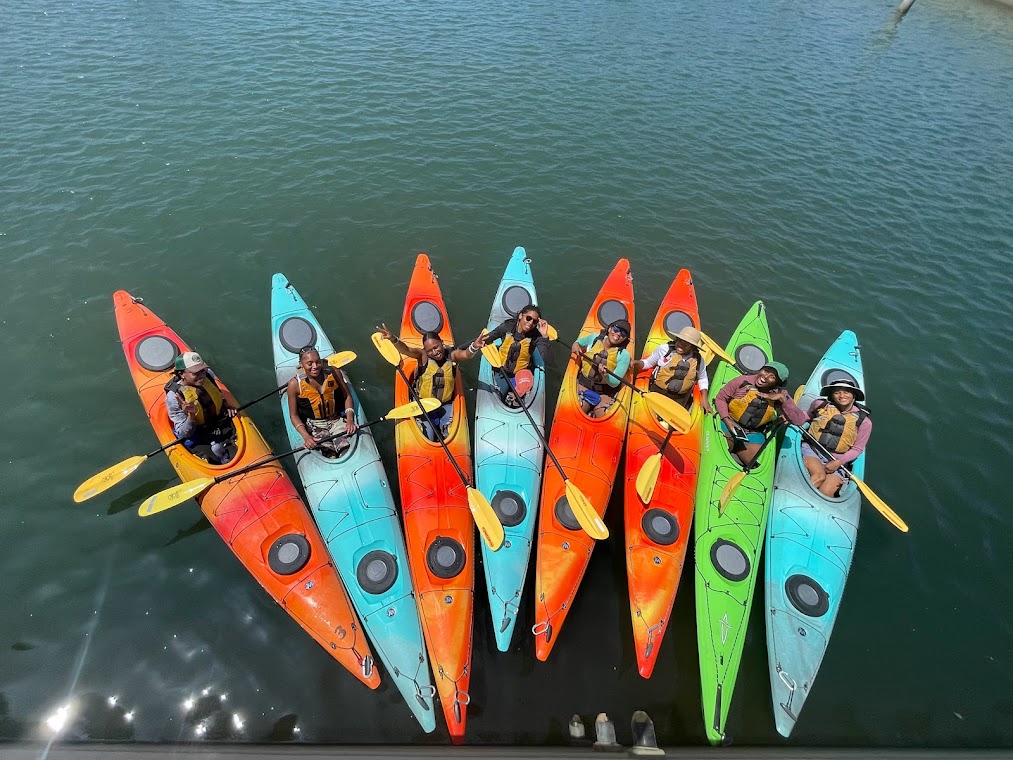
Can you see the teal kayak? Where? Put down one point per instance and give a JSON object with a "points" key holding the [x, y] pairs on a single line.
{"points": [[810, 544], [508, 459], [352, 504]]}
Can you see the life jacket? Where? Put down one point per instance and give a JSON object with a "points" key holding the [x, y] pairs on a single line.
{"points": [[207, 398], [752, 411], [515, 354], [436, 380], [312, 404], [677, 377], [835, 431], [586, 375]]}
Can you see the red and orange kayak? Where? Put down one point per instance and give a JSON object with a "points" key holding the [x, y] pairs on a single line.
{"points": [[657, 533], [259, 514], [439, 529], [588, 450]]}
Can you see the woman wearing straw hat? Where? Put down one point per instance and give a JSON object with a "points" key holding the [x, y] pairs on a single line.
{"points": [[678, 366], [842, 426]]}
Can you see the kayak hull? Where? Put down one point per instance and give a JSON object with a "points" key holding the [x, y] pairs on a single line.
{"points": [[254, 513], [508, 459], [657, 533], [588, 450], [727, 547], [352, 504], [439, 529], [810, 545]]}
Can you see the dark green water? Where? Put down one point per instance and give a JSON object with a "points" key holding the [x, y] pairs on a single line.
{"points": [[851, 172]]}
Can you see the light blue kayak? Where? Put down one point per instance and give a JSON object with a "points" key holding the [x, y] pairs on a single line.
{"points": [[810, 543], [508, 459], [351, 502]]}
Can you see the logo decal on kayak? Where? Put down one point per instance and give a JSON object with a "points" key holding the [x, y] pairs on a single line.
{"points": [[726, 628]]}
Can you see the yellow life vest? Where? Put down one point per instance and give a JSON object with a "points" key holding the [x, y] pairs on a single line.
{"points": [[206, 397], [596, 351], [677, 377], [436, 380], [751, 411], [835, 431], [312, 404], [515, 354]]}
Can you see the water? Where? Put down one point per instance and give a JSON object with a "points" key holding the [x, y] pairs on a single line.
{"points": [[848, 170]]}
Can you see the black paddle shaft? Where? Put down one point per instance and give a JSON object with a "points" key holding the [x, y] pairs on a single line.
{"points": [[622, 380], [534, 426]]}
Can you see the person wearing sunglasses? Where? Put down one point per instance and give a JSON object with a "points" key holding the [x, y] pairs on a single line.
{"points": [[678, 367], [319, 404], [603, 361], [200, 411], [434, 374], [521, 337]]}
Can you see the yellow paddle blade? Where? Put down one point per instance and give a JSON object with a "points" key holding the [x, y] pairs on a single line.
{"points": [[648, 477], [491, 353], [387, 349], [798, 394], [715, 348], [412, 409], [873, 498], [726, 493], [553, 335], [106, 479], [341, 358], [586, 515], [170, 497], [485, 518], [671, 411]]}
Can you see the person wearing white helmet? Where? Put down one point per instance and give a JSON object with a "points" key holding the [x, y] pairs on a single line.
{"points": [[200, 411], [842, 426], [678, 367]]}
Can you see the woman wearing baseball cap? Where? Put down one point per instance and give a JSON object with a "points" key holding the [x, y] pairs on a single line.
{"points": [[199, 411], [600, 355], [842, 426]]}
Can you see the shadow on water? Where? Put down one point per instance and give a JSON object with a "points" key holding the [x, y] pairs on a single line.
{"points": [[283, 730], [133, 498], [9, 728], [200, 526]]}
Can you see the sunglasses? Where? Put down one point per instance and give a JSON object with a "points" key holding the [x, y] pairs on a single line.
{"points": [[529, 318], [619, 331]]}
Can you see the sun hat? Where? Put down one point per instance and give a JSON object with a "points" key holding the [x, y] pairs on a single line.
{"points": [[843, 384], [190, 361], [689, 334], [779, 369]]}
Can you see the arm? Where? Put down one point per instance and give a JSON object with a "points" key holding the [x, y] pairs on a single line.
{"points": [[651, 361], [855, 451], [403, 348], [183, 424], [468, 350], [349, 411], [292, 393], [791, 411], [704, 385], [726, 394]]}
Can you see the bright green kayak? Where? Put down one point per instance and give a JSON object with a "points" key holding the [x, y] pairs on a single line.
{"points": [[727, 547]]}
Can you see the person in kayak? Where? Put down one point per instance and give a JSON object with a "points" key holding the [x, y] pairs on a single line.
{"points": [[842, 426], [434, 375], [596, 354], [521, 337], [320, 405], [677, 367], [200, 411], [748, 406]]}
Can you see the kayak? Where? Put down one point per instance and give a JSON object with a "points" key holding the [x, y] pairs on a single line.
{"points": [[657, 533], [437, 520], [810, 544], [727, 547], [508, 458], [259, 514], [353, 507], [588, 450]]}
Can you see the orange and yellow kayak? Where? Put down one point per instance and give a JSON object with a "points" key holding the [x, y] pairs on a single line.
{"points": [[657, 533], [439, 530], [259, 514], [588, 450]]}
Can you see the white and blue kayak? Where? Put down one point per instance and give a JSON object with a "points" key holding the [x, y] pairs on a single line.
{"points": [[352, 504], [508, 459], [810, 543]]}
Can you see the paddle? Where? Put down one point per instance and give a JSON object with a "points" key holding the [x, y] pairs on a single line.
{"points": [[110, 476], [736, 480], [715, 348], [581, 507], [485, 518], [884, 509], [647, 478], [170, 497]]}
